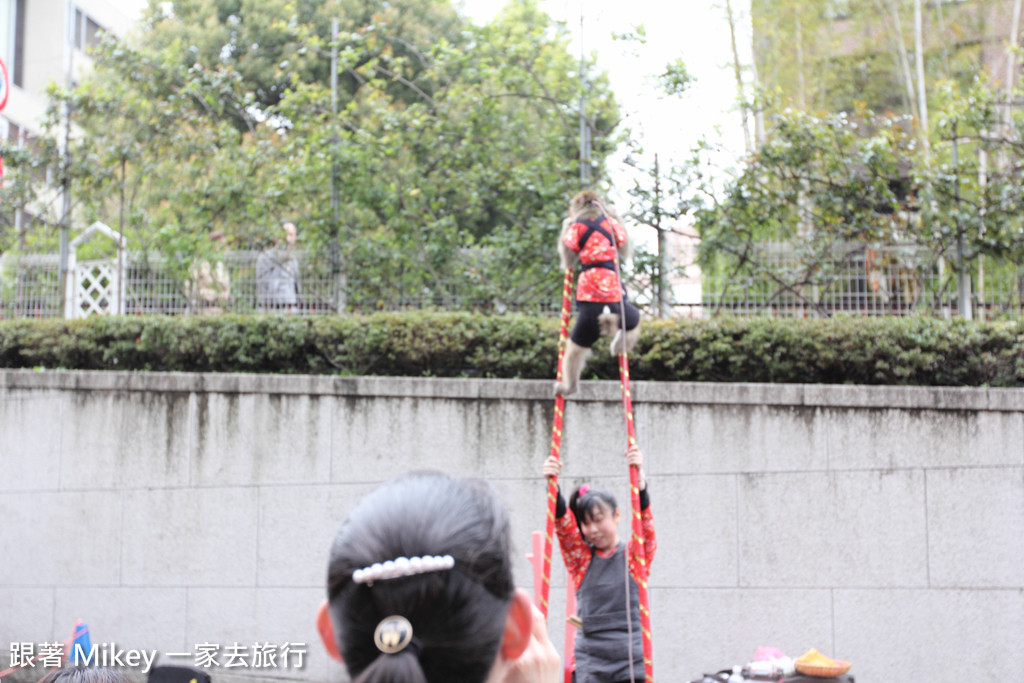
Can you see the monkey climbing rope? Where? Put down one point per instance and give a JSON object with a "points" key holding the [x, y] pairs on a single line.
{"points": [[634, 474]]}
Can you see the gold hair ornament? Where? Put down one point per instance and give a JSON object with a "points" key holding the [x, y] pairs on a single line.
{"points": [[392, 634]]}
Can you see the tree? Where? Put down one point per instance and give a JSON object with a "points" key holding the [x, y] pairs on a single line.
{"points": [[868, 184], [452, 150], [847, 179], [816, 180]]}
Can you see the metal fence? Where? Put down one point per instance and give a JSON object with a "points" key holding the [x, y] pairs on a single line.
{"points": [[895, 280], [867, 280], [153, 285]]}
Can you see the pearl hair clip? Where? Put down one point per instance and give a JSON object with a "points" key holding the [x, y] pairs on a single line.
{"points": [[402, 566]]}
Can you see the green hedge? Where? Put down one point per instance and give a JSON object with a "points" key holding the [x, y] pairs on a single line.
{"points": [[919, 351]]}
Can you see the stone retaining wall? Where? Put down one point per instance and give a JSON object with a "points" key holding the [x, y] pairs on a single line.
{"points": [[883, 525]]}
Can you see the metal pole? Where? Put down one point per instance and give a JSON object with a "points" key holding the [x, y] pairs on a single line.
{"points": [[120, 244], [336, 266], [963, 278], [65, 228], [664, 259], [584, 129]]}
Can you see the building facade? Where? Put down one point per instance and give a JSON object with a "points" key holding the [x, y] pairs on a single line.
{"points": [[46, 42], [829, 55]]}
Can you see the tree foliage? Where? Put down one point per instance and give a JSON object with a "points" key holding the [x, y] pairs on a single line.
{"points": [[836, 175], [450, 147]]}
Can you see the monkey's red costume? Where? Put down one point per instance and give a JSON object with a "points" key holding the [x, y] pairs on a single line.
{"points": [[596, 242]]}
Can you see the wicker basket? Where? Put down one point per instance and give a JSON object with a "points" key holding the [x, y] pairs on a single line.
{"points": [[823, 671]]}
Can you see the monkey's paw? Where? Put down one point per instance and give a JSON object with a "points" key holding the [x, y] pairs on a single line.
{"points": [[564, 389]]}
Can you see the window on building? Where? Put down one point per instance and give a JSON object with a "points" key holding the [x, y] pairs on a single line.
{"points": [[86, 31], [7, 24], [12, 37]]}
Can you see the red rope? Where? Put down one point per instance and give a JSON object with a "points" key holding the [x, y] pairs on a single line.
{"points": [[634, 489], [638, 531], [556, 443]]}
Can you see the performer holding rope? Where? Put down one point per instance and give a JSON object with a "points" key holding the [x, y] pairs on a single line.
{"points": [[598, 238], [609, 648]]}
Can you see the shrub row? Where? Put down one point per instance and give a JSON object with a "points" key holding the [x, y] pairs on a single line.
{"points": [[919, 351]]}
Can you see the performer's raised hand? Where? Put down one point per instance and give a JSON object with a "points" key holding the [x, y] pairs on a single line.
{"points": [[552, 466], [635, 458]]}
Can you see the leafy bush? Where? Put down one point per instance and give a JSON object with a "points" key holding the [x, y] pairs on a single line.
{"points": [[918, 351]]}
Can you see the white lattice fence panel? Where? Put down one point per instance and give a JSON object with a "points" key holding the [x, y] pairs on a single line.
{"points": [[96, 289]]}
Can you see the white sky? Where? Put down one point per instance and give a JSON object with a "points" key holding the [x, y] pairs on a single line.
{"points": [[694, 30]]}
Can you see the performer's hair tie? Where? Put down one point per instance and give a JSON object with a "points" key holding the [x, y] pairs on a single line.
{"points": [[394, 634], [402, 566], [583, 490]]}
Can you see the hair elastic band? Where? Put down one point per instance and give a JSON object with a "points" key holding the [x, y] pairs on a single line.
{"points": [[402, 566], [393, 634], [583, 490]]}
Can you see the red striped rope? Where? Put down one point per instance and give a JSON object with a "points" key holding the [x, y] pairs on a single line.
{"points": [[556, 443], [638, 531], [634, 488]]}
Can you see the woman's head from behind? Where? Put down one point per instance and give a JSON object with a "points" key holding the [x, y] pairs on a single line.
{"points": [[445, 609]]}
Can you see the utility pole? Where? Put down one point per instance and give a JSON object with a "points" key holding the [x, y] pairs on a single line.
{"points": [[664, 259], [584, 128], [336, 264], [922, 98], [65, 226], [963, 278]]}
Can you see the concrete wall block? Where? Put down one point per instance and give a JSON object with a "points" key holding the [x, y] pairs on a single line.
{"points": [[976, 527], [297, 526], [526, 503], [833, 529], [1006, 399], [735, 393], [890, 438], [30, 434], [125, 439], [27, 617], [517, 389], [60, 539], [930, 635], [514, 435], [863, 396], [137, 618], [376, 439], [695, 524], [717, 629], [242, 622], [190, 537], [262, 438], [732, 438], [593, 440]]}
